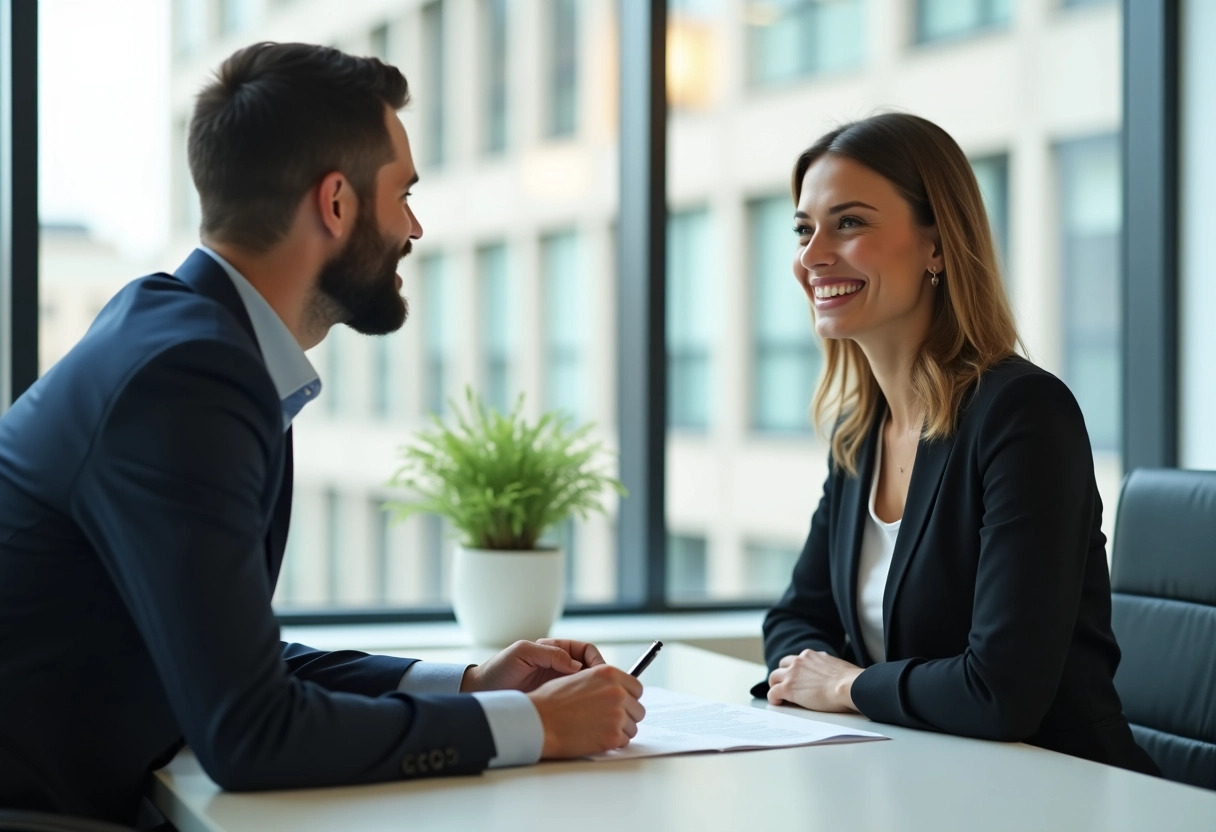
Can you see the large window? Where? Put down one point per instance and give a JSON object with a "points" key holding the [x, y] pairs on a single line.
{"points": [[1090, 224], [789, 39], [692, 288], [785, 355], [940, 19], [513, 287]]}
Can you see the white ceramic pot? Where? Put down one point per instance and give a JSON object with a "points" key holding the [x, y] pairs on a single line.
{"points": [[502, 596]]}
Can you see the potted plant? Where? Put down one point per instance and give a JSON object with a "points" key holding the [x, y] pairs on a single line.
{"points": [[502, 482]]}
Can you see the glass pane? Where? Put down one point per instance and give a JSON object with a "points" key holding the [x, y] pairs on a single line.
{"points": [[494, 74], [786, 358], [562, 70], [687, 568], [497, 317], [992, 174], [768, 570], [691, 318], [435, 333], [565, 312], [752, 84], [1091, 213], [937, 19], [434, 45], [790, 39]]}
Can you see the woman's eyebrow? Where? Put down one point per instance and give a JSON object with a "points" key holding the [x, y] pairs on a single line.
{"points": [[836, 209]]}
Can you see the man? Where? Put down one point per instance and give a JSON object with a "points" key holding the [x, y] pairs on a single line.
{"points": [[145, 489]]}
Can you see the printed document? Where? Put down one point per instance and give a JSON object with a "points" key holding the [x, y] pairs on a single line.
{"points": [[677, 723]]}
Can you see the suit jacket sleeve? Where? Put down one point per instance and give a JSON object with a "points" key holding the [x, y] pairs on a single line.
{"points": [[178, 515], [345, 670], [806, 617], [1039, 497]]}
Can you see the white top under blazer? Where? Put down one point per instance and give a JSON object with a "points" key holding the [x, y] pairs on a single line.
{"points": [[877, 546]]}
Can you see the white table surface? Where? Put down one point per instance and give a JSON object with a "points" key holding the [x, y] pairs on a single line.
{"points": [[916, 781]]}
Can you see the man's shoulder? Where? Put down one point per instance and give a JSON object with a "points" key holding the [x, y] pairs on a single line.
{"points": [[164, 310], [153, 321]]}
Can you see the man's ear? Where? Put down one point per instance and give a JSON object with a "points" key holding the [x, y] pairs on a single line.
{"points": [[336, 204]]}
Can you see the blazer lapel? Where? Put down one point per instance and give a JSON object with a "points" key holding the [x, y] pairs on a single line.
{"points": [[922, 494], [854, 511]]}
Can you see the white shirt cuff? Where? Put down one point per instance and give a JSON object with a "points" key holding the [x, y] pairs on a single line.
{"points": [[432, 677], [515, 725]]}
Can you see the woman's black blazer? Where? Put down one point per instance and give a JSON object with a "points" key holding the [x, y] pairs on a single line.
{"points": [[997, 605]]}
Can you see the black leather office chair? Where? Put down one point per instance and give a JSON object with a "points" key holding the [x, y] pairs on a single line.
{"points": [[1163, 575], [20, 821]]}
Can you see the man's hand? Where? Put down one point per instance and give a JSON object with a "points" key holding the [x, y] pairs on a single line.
{"points": [[814, 680], [526, 665], [589, 712]]}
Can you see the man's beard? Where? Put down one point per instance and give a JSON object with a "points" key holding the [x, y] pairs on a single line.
{"points": [[362, 280]]}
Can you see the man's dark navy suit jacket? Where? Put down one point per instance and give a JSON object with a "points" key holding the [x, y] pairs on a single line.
{"points": [[145, 490]]}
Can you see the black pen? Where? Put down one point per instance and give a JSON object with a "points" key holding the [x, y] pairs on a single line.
{"points": [[645, 661]]}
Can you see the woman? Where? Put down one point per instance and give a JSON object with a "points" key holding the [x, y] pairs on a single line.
{"points": [[955, 575]]}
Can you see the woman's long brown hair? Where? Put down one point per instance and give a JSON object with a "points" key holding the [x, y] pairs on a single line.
{"points": [[972, 327]]}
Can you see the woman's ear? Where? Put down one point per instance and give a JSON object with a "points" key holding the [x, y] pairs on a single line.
{"points": [[937, 260]]}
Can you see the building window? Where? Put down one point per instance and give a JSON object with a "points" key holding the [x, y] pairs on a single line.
{"points": [[378, 40], [785, 355], [438, 546], [381, 550], [767, 569], [497, 317], [333, 381], [563, 69], [434, 120], [386, 375], [992, 174], [335, 542], [237, 15], [496, 72], [190, 27], [790, 39], [564, 536], [1090, 211], [565, 321], [691, 290], [435, 335], [686, 568], [944, 19]]}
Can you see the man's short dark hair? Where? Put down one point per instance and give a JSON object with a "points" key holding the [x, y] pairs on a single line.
{"points": [[276, 119]]}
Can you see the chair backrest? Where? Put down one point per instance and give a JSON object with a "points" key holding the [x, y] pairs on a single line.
{"points": [[1163, 576]]}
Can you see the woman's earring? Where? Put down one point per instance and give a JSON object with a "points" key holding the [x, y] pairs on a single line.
{"points": [[934, 279]]}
